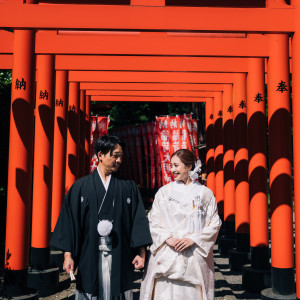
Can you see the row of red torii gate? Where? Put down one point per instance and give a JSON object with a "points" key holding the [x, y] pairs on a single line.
{"points": [[218, 55]]}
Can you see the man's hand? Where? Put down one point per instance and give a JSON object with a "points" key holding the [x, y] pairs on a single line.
{"points": [[183, 244], [139, 260], [172, 242], [68, 262]]}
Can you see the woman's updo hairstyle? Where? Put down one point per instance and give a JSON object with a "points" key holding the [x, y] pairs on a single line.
{"points": [[186, 156]]}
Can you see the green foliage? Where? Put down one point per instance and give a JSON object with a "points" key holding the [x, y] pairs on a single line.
{"points": [[5, 79], [132, 113], [129, 113], [179, 108]]}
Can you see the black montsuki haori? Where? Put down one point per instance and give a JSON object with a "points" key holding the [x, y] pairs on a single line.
{"points": [[76, 230]]}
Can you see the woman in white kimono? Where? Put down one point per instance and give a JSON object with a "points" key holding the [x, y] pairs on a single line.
{"points": [[184, 224]]}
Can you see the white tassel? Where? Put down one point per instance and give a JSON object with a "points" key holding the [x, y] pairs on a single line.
{"points": [[199, 212], [199, 221], [190, 224], [104, 227]]}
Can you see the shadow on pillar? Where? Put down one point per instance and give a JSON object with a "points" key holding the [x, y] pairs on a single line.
{"points": [[62, 125], [227, 242], [23, 114], [73, 128], [210, 163], [257, 275], [73, 164], [283, 279], [241, 254], [40, 276], [218, 141], [46, 115], [2, 227], [15, 281]]}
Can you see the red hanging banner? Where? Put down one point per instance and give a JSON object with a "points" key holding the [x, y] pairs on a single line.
{"points": [[93, 138], [185, 139], [151, 140], [102, 123], [138, 150], [195, 135], [157, 155], [163, 135], [175, 136], [144, 135], [99, 127], [188, 118]]}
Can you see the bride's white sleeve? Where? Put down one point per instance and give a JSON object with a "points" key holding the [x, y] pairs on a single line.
{"points": [[158, 228], [206, 239]]}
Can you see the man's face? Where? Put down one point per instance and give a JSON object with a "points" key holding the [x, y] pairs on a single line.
{"points": [[111, 161]]}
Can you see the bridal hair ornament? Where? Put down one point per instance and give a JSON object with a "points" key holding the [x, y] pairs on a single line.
{"points": [[104, 227], [195, 173]]}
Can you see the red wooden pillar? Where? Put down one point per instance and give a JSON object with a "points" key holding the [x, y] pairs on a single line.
{"points": [[20, 164], [296, 137], [239, 256], [279, 118], [42, 171], [87, 134], [254, 278], [59, 142], [82, 132], [218, 151], [72, 135], [210, 160], [228, 160], [227, 242]]}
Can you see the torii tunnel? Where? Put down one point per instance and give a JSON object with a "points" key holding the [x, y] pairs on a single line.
{"points": [[219, 52]]}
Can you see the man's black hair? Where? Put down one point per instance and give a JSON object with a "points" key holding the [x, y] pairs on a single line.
{"points": [[108, 143]]}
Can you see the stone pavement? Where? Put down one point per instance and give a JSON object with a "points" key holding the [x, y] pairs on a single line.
{"points": [[228, 285]]}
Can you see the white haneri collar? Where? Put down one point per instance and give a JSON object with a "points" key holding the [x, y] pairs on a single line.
{"points": [[105, 184]]}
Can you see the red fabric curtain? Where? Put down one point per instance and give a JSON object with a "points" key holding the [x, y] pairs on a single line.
{"points": [[99, 127]]}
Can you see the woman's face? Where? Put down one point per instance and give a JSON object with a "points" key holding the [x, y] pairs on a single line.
{"points": [[179, 169]]}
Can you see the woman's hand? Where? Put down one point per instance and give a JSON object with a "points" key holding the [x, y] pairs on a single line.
{"points": [[183, 244], [172, 242]]}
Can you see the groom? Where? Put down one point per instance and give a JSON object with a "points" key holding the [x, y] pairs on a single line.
{"points": [[102, 228]]}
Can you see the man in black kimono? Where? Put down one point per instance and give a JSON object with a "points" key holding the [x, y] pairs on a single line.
{"points": [[102, 228]]}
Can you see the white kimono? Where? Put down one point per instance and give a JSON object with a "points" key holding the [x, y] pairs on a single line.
{"points": [[181, 211]]}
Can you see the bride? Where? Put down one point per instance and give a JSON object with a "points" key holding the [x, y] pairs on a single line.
{"points": [[184, 225]]}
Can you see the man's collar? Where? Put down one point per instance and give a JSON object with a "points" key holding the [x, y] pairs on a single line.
{"points": [[105, 184]]}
